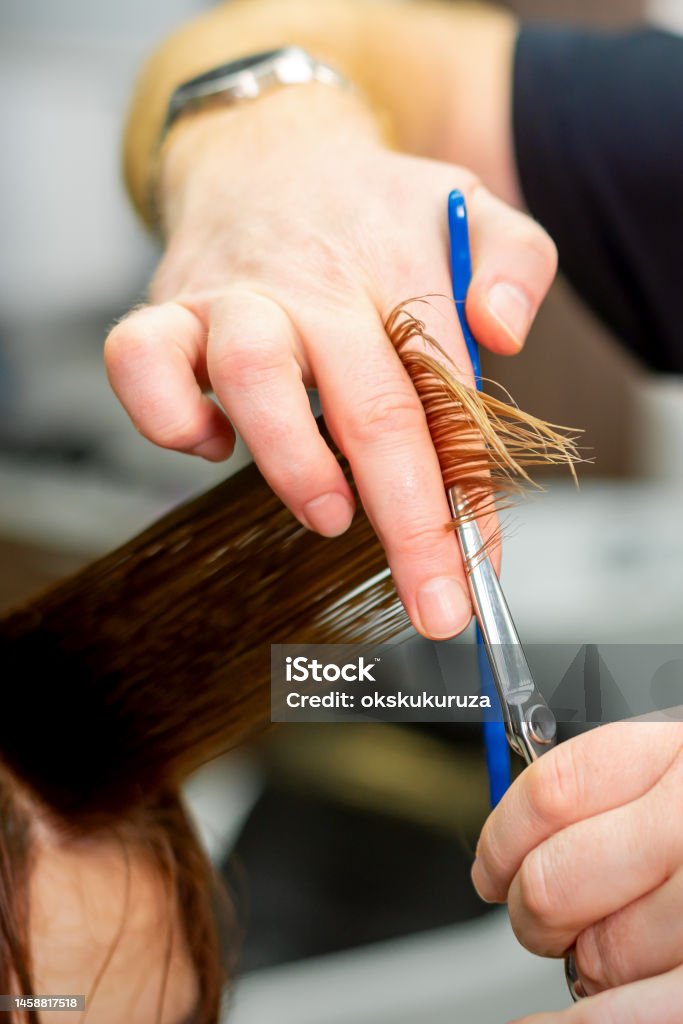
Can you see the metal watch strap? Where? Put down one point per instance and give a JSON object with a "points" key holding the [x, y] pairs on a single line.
{"points": [[235, 82], [247, 79]]}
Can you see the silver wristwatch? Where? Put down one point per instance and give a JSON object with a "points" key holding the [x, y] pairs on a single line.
{"points": [[247, 79]]}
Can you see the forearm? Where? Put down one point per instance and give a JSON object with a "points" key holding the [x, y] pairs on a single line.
{"points": [[416, 65]]}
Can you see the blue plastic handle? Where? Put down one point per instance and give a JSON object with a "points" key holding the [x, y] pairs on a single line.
{"points": [[495, 740]]}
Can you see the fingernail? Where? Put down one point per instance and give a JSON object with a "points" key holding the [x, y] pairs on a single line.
{"points": [[512, 308], [444, 607], [330, 514]]}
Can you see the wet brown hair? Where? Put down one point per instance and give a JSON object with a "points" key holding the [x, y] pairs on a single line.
{"points": [[124, 678], [485, 443]]}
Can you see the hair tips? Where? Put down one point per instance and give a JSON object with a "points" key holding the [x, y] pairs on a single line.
{"points": [[485, 444]]}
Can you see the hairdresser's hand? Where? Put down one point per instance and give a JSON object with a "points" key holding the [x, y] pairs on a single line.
{"points": [[291, 235], [655, 1001], [587, 849]]}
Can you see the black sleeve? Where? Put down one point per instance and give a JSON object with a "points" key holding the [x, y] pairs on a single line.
{"points": [[598, 129]]}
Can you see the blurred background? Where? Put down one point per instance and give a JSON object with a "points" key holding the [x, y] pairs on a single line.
{"points": [[354, 889]]}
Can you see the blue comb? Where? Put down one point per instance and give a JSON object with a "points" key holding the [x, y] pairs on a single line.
{"points": [[495, 738]]}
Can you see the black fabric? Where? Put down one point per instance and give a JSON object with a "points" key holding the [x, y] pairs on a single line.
{"points": [[598, 129]]}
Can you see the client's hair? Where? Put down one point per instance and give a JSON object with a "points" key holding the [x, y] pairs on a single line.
{"points": [[127, 676], [123, 679]]}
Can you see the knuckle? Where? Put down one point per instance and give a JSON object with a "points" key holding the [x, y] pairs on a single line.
{"points": [[245, 366], [295, 481], [474, 188], [386, 414], [495, 859], [133, 340], [600, 956], [122, 344], [537, 893], [469, 182], [176, 433], [335, 275], [176, 436], [540, 245], [548, 252], [527, 235], [554, 790], [416, 538]]}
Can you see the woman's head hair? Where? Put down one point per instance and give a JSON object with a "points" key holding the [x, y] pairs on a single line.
{"points": [[126, 915]]}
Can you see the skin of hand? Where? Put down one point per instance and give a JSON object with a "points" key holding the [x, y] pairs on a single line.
{"points": [[292, 231], [658, 1000], [587, 850]]}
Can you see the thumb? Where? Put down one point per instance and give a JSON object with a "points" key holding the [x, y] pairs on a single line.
{"points": [[514, 263]]}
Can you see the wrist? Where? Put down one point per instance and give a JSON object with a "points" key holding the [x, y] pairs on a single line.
{"points": [[216, 148]]}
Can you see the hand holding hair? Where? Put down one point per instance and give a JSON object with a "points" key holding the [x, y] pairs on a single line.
{"points": [[280, 270]]}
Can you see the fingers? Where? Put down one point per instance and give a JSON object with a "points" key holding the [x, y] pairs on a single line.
{"points": [[562, 788], [376, 418], [587, 872], [514, 263], [645, 936], [153, 358], [254, 365], [639, 941], [657, 1000]]}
